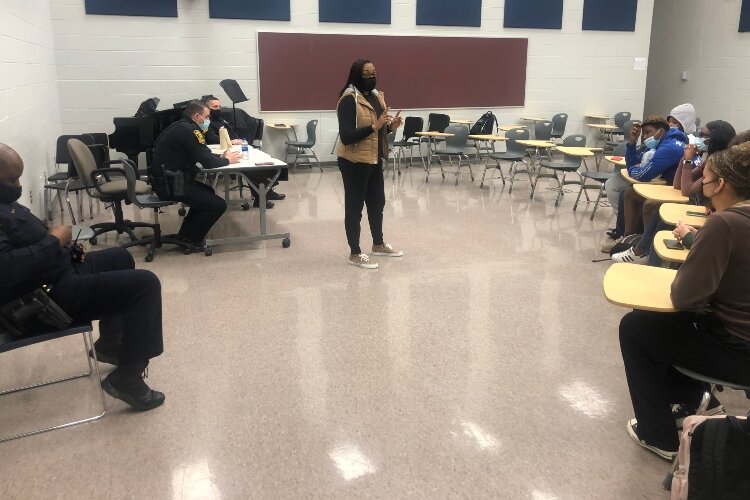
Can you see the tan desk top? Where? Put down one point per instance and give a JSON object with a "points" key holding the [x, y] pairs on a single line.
{"points": [[595, 150], [505, 128], [537, 144], [664, 194], [575, 151], [656, 182], [639, 287], [462, 122], [601, 126], [535, 119], [434, 134], [671, 212], [619, 163], [599, 117], [281, 126], [488, 137], [667, 253]]}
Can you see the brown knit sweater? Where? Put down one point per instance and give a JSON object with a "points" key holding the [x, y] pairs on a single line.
{"points": [[715, 277]]}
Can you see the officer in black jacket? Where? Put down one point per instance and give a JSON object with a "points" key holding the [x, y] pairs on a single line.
{"points": [[102, 285], [212, 137], [177, 150]]}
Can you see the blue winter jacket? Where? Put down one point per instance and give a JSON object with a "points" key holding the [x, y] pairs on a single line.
{"points": [[665, 160]]}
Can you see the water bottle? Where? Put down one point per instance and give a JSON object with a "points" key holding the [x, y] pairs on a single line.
{"points": [[245, 150]]}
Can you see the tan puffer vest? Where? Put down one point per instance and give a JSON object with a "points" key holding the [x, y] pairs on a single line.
{"points": [[366, 150]]}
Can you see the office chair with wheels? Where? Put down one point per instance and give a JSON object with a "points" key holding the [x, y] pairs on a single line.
{"points": [[110, 186]]}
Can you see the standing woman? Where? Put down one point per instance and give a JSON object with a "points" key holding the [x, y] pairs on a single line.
{"points": [[363, 128]]}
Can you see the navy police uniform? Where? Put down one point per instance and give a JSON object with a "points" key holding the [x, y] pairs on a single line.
{"points": [[105, 287], [178, 149]]}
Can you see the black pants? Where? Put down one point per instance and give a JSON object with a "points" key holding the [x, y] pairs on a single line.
{"points": [[205, 209], [651, 343], [363, 185], [127, 301]]}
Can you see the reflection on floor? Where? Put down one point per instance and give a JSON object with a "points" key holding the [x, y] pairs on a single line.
{"points": [[482, 364]]}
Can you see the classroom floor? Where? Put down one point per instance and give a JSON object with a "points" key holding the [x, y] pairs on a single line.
{"points": [[482, 364]]}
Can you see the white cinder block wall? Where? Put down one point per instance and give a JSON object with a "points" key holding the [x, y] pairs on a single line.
{"points": [[700, 37], [107, 65], [29, 106]]}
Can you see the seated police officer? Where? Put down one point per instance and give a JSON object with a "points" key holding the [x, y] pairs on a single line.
{"points": [[212, 137], [176, 152], [102, 285]]}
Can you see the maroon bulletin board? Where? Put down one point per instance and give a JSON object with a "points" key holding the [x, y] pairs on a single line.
{"points": [[305, 71]]}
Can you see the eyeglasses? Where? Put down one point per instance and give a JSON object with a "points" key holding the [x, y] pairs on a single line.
{"points": [[370, 75], [710, 182]]}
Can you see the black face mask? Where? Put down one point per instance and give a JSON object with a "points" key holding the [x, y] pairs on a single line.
{"points": [[9, 194], [215, 115], [367, 84]]}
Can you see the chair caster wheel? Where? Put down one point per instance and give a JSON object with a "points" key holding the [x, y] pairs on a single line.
{"points": [[208, 251], [245, 206], [149, 257], [181, 212], [92, 241], [286, 242]]}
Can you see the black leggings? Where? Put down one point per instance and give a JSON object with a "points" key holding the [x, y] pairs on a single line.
{"points": [[652, 343], [127, 301], [363, 185]]}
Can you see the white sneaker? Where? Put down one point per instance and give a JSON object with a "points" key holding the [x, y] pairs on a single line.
{"points": [[386, 250], [363, 261], [632, 427], [610, 243], [630, 256]]}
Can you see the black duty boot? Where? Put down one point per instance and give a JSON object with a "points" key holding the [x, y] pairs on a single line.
{"points": [[126, 383], [256, 203], [273, 195]]}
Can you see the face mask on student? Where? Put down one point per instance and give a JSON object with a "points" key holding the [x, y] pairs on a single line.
{"points": [[9, 194], [700, 143], [651, 142]]}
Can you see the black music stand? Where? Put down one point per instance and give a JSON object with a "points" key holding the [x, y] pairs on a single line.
{"points": [[233, 90]]}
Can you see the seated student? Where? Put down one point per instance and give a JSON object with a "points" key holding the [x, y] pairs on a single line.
{"points": [[714, 137], [178, 149], [710, 333], [651, 131], [668, 151], [100, 285], [212, 137]]}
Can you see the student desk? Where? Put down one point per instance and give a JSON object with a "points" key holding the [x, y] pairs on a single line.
{"points": [[639, 287], [599, 117], [580, 152], [664, 194], [671, 212], [665, 253], [602, 127], [486, 138], [505, 128], [619, 163], [429, 137], [534, 119], [462, 122], [242, 168], [656, 182], [537, 145]]}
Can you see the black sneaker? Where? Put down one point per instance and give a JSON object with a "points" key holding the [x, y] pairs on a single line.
{"points": [[612, 233], [273, 195], [632, 427], [679, 412], [126, 383], [256, 203]]}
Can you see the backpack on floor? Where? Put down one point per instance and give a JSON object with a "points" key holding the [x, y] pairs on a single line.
{"points": [[627, 242], [713, 459], [483, 126]]}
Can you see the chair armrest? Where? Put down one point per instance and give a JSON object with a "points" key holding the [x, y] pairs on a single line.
{"points": [[105, 172]]}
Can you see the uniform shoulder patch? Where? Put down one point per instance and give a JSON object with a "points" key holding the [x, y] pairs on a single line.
{"points": [[199, 136]]}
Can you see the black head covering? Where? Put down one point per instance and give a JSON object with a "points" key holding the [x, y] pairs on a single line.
{"points": [[355, 75]]}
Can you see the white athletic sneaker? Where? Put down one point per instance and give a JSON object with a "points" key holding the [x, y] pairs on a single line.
{"points": [[630, 256], [363, 261], [386, 250], [632, 427]]}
